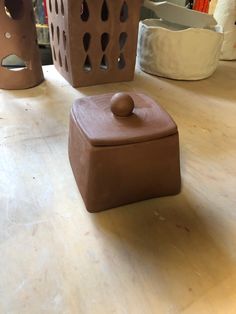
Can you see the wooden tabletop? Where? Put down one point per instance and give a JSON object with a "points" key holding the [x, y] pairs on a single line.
{"points": [[163, 256]]}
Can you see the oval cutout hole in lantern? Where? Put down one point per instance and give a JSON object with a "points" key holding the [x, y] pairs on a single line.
{"points": [[14, 63]]}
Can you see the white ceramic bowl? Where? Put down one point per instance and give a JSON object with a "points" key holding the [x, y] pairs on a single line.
{"points": [[178, 53]]}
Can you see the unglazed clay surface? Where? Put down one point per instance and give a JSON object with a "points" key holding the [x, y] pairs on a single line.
{"points": [[225, 14], [182, 54], [124, 169], [122, 105], [94, 42], [18, 38], [101, 127]]}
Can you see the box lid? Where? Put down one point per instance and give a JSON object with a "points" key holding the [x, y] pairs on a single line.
{"points": [[176, 14], [119, 119]]}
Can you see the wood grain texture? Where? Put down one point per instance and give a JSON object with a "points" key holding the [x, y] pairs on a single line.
{"points": [[163, 256]]}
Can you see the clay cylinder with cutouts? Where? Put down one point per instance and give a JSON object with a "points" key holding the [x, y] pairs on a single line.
{"points": [[18, 40], [94, 42]]}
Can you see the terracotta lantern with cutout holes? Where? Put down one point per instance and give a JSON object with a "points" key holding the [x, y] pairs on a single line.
{"points": [[94, 42], [18, 41]]}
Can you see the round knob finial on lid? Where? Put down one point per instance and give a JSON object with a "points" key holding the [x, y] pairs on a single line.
{"points": [[122, 105]]}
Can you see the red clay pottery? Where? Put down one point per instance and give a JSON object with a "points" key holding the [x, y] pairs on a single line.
{"points": [[123, 148], [94, 42], [18, 40]]}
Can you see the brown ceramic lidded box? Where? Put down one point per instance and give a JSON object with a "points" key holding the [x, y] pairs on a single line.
{"points": [[121, 155], [18, 40], [94, 42]]}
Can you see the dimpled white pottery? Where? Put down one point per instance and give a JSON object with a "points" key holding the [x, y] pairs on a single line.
{"points": [[225, 14], [176, 52]]}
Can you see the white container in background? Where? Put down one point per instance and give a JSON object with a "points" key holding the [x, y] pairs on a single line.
{"points": [[225, 15], [183, 45]]}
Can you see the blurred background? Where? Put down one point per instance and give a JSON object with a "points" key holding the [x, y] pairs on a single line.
{"points": [[43, 32], [41, 19]]}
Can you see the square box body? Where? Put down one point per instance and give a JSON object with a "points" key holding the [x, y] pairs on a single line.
{"points": [[94, 42], [126, 166]]}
